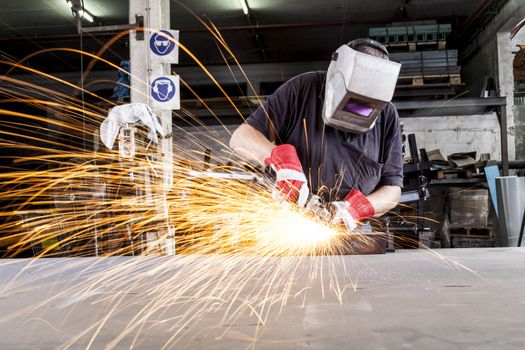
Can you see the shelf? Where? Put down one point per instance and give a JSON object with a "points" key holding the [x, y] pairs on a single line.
{"points": [[458, 181], [461, 107], [451, 107]]}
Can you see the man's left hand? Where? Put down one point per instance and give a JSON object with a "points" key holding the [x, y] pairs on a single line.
{"points": [[353, 208]]}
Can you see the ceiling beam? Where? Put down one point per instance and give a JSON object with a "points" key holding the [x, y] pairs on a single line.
{"points": [[250, 27]]}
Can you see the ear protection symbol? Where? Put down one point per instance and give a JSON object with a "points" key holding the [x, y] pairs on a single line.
{"points": [[162, 88]]}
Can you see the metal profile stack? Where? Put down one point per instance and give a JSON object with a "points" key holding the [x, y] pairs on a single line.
{"points": [[412, 37], [424, 67], [428, 69]]}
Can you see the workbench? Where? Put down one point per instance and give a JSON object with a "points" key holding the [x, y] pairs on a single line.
{"points": [[410, 299]]}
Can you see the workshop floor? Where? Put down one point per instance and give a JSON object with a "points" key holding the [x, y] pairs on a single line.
{"points": [[411, 299]]}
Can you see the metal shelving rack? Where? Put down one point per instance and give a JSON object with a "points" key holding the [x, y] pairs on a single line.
{"points": [[459, 107]]}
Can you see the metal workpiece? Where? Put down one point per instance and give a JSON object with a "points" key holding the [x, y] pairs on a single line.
{"points": [[412, 299], [354, 241], [511, 206], [315, 206]]}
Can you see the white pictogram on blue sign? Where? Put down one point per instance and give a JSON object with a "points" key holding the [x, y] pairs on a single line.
{"points": [[162, 89], [161, 43]]}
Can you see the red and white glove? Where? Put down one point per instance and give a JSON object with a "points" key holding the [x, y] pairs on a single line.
{"points": [[291, 184], [353, 208]]}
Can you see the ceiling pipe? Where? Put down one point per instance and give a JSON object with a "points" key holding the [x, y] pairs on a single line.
{"points": [[256, 27], [474, 16], [320, 24]]}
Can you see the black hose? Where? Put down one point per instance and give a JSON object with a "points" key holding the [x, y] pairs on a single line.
{"points": [[521, 230]]}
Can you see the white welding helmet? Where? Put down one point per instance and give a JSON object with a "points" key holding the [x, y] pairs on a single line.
{"points": [[358, 86]]}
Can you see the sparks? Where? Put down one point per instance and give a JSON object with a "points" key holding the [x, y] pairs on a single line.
{"points": [[63, 198]]}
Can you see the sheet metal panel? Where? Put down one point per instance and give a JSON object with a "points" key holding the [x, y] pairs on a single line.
{"points": [[417, 299]]}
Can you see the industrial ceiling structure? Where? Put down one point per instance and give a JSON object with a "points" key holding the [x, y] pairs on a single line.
{"points": [[165, 221], [273, 31]]}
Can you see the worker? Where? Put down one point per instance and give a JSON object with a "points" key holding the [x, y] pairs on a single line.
{"points": [[333, 132]]}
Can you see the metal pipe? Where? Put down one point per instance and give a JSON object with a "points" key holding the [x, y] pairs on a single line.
{"points": [[470, 19], [115, 28], [521, 230], [252, 26], [315, 24]]}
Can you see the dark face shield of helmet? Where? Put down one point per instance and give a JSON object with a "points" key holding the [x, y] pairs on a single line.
{"points": [[358, 86], [358, 108]]}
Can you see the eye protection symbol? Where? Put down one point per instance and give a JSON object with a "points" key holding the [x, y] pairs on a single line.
{"points": [[161, 43]]}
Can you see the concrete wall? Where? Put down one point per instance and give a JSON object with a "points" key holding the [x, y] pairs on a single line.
{"points": [[490, 53], [492, 58], [519, 115], [519, 105], [478, 133], [448, 134], [479, 64]]}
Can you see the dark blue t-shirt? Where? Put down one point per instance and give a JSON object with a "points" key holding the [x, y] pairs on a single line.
{"points": [[334, 161]]}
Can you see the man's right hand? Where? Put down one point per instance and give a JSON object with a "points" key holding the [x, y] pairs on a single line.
{"points": [[291, 184]]}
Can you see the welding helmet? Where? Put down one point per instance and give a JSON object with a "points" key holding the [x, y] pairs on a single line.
{"points": [[358, 85]]}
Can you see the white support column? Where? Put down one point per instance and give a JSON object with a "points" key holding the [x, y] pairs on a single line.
{"points": [[138, 54], [156, 16], [159, 18], [506, 85]]}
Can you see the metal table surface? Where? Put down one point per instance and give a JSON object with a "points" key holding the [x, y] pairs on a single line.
{"points": [[412, 299]]}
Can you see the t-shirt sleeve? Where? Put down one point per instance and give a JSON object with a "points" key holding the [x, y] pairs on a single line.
{"points": [[273, 117], [392, 173]]}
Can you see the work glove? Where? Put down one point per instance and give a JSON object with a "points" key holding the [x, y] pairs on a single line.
{"points": [[290, 184], [353, 208]]}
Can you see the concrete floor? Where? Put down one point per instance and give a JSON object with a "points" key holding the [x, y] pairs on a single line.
{"points": [[404, 300]]}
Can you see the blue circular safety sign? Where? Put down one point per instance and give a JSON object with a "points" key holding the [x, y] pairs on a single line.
{"points": [[162, 89], [161, 43]]}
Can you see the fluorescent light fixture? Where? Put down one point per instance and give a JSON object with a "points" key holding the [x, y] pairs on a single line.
{"points": [[84, 14], [244, 6], [74, 4]]}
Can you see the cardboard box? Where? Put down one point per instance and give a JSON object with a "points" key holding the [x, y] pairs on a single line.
{"points": [[469, 207]]}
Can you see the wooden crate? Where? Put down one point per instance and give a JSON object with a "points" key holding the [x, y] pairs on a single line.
{"points": [[419, 80], [471, 231], [459, 241], [469, 208]]}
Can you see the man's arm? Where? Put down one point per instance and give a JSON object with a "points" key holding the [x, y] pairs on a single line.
{"points": [[250, 144], [357, 207], [384, 198], [290, 183]]}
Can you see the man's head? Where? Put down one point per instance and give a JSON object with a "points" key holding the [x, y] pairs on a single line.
{"points": [[370, 47], [360, 81]]}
